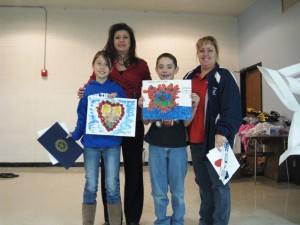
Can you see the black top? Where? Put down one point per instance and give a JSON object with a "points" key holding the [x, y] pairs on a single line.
{"points": [[167, 136]]}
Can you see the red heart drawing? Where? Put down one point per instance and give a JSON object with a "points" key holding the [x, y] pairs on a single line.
{"points": [[110, 114], [218, 163]]}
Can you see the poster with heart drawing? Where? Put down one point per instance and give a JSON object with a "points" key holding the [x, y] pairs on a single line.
{"points": [[111, 116]]}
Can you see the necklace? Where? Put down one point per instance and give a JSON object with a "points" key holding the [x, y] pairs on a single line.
{"points": [[121, 64]]}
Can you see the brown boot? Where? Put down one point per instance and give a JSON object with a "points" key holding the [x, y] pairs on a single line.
{"points": [[114, 214], [88, 214]]}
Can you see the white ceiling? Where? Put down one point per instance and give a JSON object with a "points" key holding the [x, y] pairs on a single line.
{"points": [[213, 7]]}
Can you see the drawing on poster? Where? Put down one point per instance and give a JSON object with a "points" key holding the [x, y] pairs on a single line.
{"points": [[110, 114], [167, 99], [107, 116]]}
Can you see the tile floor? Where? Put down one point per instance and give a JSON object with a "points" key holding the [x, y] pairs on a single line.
{"points": [[53, 196]]}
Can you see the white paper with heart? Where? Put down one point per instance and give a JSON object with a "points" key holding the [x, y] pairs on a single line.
{"points": [[111, 116]]}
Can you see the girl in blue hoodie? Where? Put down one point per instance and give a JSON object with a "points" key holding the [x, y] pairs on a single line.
{"points": [[96, 146]]}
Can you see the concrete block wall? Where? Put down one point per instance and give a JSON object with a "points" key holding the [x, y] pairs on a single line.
{"points": [[30, 103]]}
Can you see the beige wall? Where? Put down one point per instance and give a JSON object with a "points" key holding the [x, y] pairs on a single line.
{"points": [[272, 39], [30, 103]]}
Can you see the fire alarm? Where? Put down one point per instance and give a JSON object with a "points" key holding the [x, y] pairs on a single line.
{"points": [[44, 73]]}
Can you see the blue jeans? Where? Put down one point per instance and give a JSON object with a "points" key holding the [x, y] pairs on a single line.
{"points": [[168, 166], [215, 196], [111, 157]]}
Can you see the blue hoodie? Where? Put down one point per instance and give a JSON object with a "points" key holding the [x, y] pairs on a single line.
{"points": [[89, 140], [223, 113]]}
